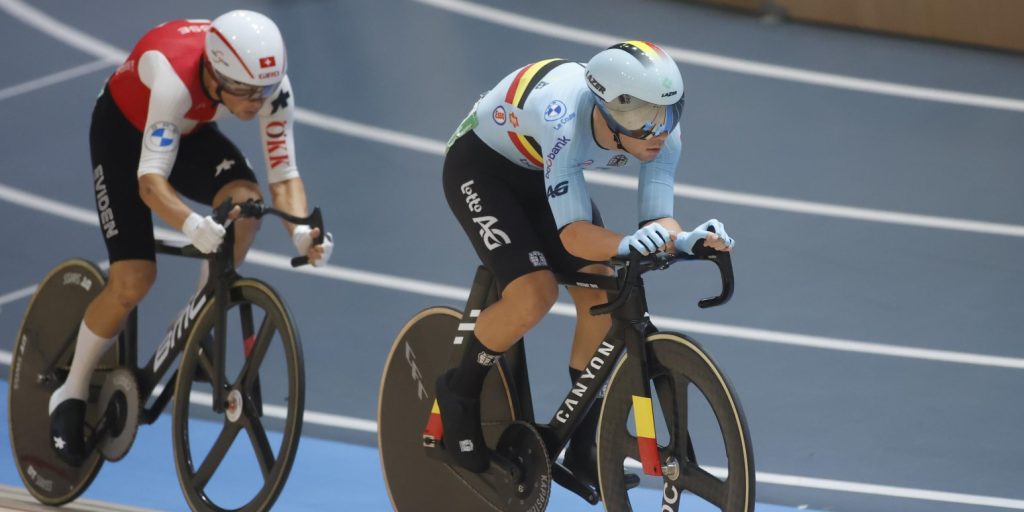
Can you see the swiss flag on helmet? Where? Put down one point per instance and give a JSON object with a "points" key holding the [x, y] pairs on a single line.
{"points": [[267, 62]]}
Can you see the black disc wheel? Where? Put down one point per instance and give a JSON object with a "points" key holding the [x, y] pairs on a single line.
{"points": [[42, 354], [703, 441], [239, 458], [415, 481]]}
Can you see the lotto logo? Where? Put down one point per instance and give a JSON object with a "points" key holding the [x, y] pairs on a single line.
{"points": [[493, 238], [472, 199]]}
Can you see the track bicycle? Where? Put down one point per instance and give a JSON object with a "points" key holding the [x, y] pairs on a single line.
{"points": [[241, 371], [666, 403]]}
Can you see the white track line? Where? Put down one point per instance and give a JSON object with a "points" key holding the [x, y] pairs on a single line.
{"points": [[370, 426], [17, 295], [709, 60], [113, 55], [63, 32], [18, 499], [54, 78], [91, 45], [459, 294]]}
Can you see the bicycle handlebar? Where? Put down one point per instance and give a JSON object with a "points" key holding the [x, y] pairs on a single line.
{"points": [[256, 210], [637, 264]]}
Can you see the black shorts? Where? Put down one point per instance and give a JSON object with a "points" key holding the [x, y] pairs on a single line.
{"points": [[504, 210], [125, 220]]}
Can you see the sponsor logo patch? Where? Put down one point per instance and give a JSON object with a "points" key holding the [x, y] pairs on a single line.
{"points": [[162, 136], [281, 101], [277, 143], [472, 198], [498, 115], [560, 189], [224, 165], [618, 161], [493, 238], [537, 259], [555, 111], [485, 359], [107, 221], [566, 120], [559, 144]]}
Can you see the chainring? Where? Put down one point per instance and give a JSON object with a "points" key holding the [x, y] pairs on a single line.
{"points": [[119, 397], [522, 444]]}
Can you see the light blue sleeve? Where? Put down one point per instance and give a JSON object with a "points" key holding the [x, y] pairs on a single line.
{"points": [[656, 196], [563, 176]]}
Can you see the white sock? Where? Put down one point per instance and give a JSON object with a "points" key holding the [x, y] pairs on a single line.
{"points": [[89, 348]]}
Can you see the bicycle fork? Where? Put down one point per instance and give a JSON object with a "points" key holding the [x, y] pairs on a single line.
{"points": [[634, 315]]}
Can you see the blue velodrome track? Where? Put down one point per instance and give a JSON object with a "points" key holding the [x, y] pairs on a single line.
{"points": [[873, 185]]}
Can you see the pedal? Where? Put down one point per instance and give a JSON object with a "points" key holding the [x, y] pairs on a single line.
{"points": [[204, 346], [119, 399], [566, 479]]}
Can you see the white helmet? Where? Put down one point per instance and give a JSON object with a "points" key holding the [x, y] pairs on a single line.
{"points": [[638, 87], [245, 51]]}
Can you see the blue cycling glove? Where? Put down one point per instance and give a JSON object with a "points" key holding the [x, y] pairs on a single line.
{"points": [[687, 239], [646, 239]]}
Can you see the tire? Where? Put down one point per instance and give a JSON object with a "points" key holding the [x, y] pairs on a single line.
{"points": [[680, 371], [42, 355], [227, 471], [420, 353]]}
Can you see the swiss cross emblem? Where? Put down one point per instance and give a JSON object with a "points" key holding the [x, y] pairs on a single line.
{"points": [[267, 62]]}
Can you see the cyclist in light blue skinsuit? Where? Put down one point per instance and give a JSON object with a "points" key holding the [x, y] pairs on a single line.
{"points": [[513, 176]]}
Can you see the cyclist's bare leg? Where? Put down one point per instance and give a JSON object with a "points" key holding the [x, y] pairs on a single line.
{"points": [[590, 329], [241, 191], [129, 282], [523, 303], [581, 453]]}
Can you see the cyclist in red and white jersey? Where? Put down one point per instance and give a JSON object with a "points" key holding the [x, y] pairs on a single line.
{"points": [[154, 139], [514, 178]]}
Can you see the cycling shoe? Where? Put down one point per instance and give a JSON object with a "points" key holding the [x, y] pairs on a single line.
{"points": [[67, 436], [463, 435], [582, 462]]}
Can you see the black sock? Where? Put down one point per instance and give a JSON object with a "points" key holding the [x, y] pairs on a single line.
{"points": [[586, 432], [477, 360]]}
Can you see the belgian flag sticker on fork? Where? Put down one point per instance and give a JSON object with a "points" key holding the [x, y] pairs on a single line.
{"points": [[434, 431], [646, 439]]}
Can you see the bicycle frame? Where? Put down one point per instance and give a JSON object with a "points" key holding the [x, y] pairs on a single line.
{"points": [[222, 276], [629, 330]]}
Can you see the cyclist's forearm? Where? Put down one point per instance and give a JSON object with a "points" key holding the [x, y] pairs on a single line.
{"points": [[289, 196], [160, 197], [590, 241]]}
